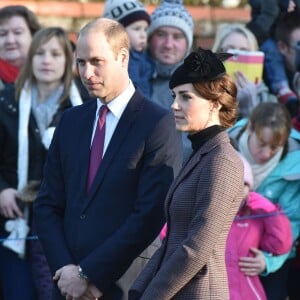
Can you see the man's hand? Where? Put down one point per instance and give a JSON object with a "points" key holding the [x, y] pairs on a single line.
{"points": [[91, 293], [69, 283], [8, 204], [252, 266]]}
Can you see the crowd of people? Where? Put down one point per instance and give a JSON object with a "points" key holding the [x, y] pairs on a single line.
{"points": [[132, 166]]}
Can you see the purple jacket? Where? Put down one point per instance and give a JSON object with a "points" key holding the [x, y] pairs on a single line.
{"points": [[258, 224]]}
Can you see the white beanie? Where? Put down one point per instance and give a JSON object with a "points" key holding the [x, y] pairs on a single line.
{"points": [[173, 13], [125, 11]]}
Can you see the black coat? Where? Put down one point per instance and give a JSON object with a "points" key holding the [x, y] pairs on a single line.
{"points": [[9, 119]]}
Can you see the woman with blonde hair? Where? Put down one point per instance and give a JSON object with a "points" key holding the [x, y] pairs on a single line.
{"points": [[224, 31], [29, 113], [236, 36]]}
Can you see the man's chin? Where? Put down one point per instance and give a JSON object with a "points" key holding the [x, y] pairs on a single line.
{"points": [[93, 93], [167, 60]]}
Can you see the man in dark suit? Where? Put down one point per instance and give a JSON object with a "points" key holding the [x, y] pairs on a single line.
{"points": [[92, 233]]}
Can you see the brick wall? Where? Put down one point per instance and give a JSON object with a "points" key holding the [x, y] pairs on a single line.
{"points": [[72, 15]]}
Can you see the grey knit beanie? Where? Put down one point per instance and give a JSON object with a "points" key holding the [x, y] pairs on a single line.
{"points": [[173, 13]]}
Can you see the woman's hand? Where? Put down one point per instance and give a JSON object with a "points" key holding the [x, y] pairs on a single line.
{"points": [[241, 80], [252, 266], [8, 204]]}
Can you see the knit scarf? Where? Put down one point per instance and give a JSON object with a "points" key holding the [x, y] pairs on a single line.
{"points": [[260, 171], [165, 71], [8, 72], [24, 115]]}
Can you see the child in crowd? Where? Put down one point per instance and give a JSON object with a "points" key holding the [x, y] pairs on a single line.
{"points": [[272, 148], [133, 16], [259, 224], [264, 17]]}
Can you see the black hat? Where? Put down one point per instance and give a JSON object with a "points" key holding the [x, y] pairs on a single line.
{"points": [[203, 65]]}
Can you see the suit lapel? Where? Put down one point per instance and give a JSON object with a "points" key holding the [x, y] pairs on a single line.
{"points": [[121, 132], [88, 117]]}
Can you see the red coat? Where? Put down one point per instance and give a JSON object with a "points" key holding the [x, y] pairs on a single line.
{"points": [[259, 224]]}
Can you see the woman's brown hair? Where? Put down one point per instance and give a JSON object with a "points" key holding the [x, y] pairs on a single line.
{"points": [[41, 37], [30, 18], [221, 91]]}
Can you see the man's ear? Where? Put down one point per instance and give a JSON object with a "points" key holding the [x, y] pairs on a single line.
{"points": [[282, 47], [124, 56]]}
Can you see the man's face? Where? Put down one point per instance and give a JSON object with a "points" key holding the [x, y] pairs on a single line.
{"points": [[98, 65], [168, 45], [289, 51]]}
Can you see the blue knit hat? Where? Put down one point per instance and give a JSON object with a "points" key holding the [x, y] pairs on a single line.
{"points": [[125, 11], [173, 13]]}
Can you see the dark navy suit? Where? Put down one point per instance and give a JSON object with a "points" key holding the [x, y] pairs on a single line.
{"points": [[105, 229]]}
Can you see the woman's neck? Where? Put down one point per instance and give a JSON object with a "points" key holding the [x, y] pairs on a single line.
{"points": [[45, 89]]}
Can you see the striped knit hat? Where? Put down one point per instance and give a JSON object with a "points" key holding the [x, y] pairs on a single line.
{"points": [[125, 11]]}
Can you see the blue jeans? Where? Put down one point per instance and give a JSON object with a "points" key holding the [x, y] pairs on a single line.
{"points": [[15, 277]]}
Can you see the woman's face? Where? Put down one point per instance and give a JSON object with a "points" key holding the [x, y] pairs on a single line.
{"points": [[49, 62], [236, 41], [263, 146], [15, 39], [192, 112]]}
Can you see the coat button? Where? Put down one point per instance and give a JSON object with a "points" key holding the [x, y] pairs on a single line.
{"points": [[82, 217]]}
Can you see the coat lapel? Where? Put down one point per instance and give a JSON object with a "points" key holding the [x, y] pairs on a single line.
{"points": [[186, 169], [193, 161], [88, 117], [121, 132]]}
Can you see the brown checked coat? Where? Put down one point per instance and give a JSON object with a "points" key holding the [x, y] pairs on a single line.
{"points": [[200, 207]]}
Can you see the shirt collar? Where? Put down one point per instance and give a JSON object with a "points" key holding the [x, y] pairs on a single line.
{"points": [[118, 105]]}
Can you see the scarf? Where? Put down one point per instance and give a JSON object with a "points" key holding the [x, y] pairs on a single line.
{"points": [[260, 171], [25, 108], [165, 71], [8, 72]]}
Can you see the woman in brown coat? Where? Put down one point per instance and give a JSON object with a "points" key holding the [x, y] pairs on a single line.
{"points": [[203, 199]]}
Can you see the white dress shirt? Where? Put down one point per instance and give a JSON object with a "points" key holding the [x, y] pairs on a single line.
{"points": [[116, 108]]}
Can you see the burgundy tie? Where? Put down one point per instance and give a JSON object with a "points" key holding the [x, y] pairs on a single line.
{"points": [[97, 146]]}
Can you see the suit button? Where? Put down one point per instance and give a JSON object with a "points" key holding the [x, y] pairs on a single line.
{"points": [[82, 217]]}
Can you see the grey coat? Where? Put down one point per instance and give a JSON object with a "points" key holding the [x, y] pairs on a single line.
{"points": [[200, 207]]}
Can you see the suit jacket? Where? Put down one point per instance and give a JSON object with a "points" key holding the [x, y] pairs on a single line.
{"points": [[105, 229], [200, 208]]}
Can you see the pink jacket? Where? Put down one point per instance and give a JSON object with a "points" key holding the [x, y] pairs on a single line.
{"points": [[259, 224]]}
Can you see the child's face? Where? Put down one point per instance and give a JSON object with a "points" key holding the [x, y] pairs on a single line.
{"points": [[264, 146], [137, 32]]}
